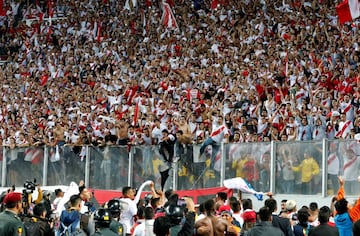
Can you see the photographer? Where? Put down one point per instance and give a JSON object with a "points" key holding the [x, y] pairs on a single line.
{"points": [[27, 193], [38, 224], [178, 220]]}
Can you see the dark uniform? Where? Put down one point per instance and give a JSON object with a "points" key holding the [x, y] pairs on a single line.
{"points": [[105, 232], [11, 224], [117, 228], [103, 219]]}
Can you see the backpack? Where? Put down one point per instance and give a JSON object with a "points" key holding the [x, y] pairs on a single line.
{"points": [[69, 231], [32, 227], [301, 230]]}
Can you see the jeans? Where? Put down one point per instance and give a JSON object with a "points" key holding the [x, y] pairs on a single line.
{"points": [[288, 186], [147, 161], [351, 187], [334, 182], [306, 188], [265, 180]]}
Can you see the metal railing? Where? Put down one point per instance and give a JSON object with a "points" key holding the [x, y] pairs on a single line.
{"points": [[279, 167]]}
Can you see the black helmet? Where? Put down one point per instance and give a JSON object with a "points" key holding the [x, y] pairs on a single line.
{"points": [[175, 213], [114, 206], [102, 215]]}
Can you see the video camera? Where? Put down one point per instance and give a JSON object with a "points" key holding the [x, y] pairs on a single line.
{"points": [[176, 209], [29, 186]]}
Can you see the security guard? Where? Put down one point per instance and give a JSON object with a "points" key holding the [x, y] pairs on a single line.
{"points": [[10, 222], [115, 206], [102, 218]]}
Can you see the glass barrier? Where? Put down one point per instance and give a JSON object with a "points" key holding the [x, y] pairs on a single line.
{"points": [[23, 164], [109, 167], [2, 160], [206, 170], [149, 165], [297, 167], [66, 164], [250, 161], [349, 161]]}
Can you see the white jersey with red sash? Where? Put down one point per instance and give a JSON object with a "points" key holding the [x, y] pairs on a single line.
{"points": [[333, 164], [348, 110], [355, 146], [252, 110], [193, 127], [161, 114], [351, 168], [344, 129], [219, 133], [299, 96]]}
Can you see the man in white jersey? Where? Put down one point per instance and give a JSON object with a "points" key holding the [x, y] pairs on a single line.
{"points": [[218, 134], [351, 172], [333, 163]]}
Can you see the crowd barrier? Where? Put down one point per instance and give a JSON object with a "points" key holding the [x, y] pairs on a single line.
{"points": [[198, 195], [266, 165]]}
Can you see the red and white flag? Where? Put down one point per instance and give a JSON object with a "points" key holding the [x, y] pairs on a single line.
{"points": [[50, 9], [168, 18], [348, 10], [136, 112], [35, 155], [286, 63]]}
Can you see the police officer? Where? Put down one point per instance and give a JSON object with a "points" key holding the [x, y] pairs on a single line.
{"points": [[115, 206], [102, 218], [10, 222]]}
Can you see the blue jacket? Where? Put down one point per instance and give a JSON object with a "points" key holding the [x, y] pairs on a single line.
{"points": [[344, 224]]}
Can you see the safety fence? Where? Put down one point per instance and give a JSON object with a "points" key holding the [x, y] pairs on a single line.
{"points": [[279, 167]]}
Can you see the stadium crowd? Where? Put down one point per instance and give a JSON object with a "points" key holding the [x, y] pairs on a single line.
{"points": [[102, 72]]}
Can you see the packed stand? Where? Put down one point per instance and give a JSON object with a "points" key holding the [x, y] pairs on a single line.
{"points": [[103, 72]]}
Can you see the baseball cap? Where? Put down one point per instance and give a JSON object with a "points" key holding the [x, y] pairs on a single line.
{"points": [[225, 209], [249, 216], [12, 197], [226, 212], [290, 205]]}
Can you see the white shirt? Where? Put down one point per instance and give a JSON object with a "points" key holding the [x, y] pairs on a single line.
{"points": [[126, 217], [218, 133], [351, 168], [145, 228], [333, 164]]}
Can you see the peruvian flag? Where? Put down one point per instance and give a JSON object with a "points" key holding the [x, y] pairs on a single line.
{"points": [[44, 79], [50, 9], [286, 63], [35, 155], [98, 38], [348, 10], [136, 112], [168, 18]]}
